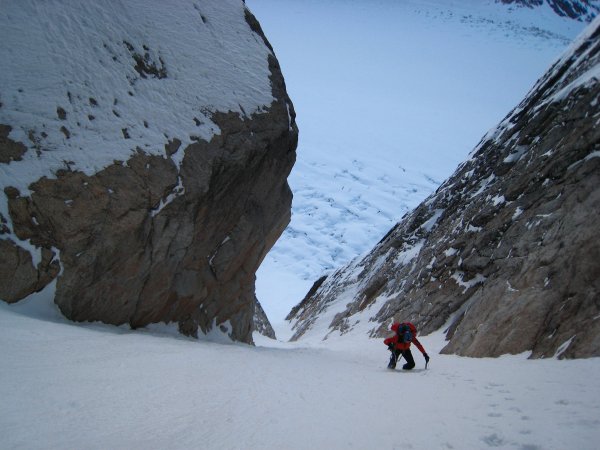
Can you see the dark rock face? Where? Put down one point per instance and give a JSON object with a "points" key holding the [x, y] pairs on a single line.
{"points": [[261, 321], [17, 266], [584, 10], [506, 251], [9, 149], [146, 241]]}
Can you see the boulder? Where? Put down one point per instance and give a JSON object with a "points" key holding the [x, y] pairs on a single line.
{"points": [[154, 181]]}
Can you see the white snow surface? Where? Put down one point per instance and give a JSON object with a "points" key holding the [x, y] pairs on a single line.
{"points": [[390, 97], [78, 56], [93, 386]]}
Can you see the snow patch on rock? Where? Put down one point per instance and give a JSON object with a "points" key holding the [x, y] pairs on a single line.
{"points": [[112, 79]]}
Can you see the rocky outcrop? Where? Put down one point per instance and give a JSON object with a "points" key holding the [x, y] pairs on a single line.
{"points": [[262, 324], [505, 253], [174, 229], [584, 10], [9, 149]]}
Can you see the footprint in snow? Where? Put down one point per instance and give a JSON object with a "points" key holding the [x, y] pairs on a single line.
{"points": [[493, 440]]}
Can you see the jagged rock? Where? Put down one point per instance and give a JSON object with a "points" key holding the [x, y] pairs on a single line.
{"points": [[17, 266], [506, 251], [261, 321], [9, 149], [174, 226], [584, 10]]}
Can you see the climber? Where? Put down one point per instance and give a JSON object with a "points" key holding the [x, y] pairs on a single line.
{"points": [[399, 344]]}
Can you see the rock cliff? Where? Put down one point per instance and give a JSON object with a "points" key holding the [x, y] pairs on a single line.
{"points": [[144, 155], [505, 254], [584, 10]]}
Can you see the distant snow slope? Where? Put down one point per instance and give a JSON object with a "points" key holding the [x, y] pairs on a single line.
{"points": [[67, 386], [390, 97]]}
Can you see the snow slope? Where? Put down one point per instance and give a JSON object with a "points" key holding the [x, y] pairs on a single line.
{"points": [[390, 98], [95, 387], [67, 385]]}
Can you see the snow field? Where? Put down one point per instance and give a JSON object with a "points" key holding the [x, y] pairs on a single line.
{"points": [[92, 386]]}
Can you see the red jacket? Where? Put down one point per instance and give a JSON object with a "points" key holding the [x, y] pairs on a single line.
{"points": [[404, 345]]}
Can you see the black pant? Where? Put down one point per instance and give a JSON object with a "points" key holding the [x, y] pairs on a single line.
{"points": [[408, 357]]}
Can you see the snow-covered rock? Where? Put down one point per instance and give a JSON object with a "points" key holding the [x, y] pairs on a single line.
{"points": [[584, 10], [506, 250], [144, 154]]}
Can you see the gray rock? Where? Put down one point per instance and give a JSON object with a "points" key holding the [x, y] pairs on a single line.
{"points": [[506, 251], [17, 266], [9, 149], [261, 321]]}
